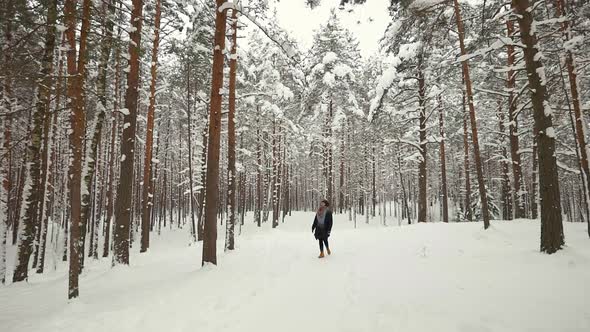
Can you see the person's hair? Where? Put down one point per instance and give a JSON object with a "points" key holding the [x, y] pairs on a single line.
{"points": [[325, 201]]}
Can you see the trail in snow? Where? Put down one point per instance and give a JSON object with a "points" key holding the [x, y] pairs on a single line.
{"points": [[429, 277]]}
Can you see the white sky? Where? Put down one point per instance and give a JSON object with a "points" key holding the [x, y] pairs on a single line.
{"points": [[367, 22]]}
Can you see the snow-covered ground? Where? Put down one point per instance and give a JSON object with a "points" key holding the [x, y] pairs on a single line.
{"points": [[428, 277]]}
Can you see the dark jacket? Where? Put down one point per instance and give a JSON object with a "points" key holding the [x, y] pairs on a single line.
{"points": [[322, 233]]}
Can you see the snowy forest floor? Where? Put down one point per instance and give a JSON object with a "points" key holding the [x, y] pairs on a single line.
{"points": [[427, 277]]}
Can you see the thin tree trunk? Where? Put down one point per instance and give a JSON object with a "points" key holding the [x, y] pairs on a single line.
{"points": [[466, 164], [147, 197], [202, 197], [341, 200], [478, 163], [506, 194], [422, 174], [580, 122], [519, 211], [112, 161], [373, 181], [443, 163], [190, 154], [328, 149], [535, 184], [258, 207], [231, 136]]}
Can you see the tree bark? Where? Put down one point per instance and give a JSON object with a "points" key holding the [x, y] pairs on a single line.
{"points": [[5, 168], [422, 174], [76, 104], [123, 218], [506, 194], [190, 154], [552, 238], [212, 188], [202, 197], [519, 211], [258, 207], [231, 136], [147, 197], [443, 163]]}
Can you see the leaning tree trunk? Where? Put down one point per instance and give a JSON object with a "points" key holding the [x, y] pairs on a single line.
{"points": [[468, 89], [552, 238], [33, 193], [212, 188], [519, 211], [231, 137], [125, 187]]}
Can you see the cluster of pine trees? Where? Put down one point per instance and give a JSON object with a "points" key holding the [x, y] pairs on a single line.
{"points": [[122, 118]]}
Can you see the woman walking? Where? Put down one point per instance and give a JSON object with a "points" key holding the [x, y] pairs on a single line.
{"points": [[322, 225]]}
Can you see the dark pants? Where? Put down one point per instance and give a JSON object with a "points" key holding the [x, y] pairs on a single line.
{"points": [[322, 242]]}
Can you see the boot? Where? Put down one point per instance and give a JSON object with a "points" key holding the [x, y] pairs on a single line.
{"points": [[321, 255], [329, 252]]}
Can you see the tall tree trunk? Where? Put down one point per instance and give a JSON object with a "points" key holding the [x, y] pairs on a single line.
{"points": [[202, 197], [123, 218], [506, 194], [341, 200], [552, 238], [478, 164], [76, 104], [90, 160], [190, 153], [147, 197], [422, 174], [112, 161], [443, 162], [519, 211], [328, 149], [231, 136], [212, 188], [406, 206], [5, 168], [34, 186], [373, 180], [258, 207], [276, 175], [535, 176], [466, 164], [580, 122]]}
